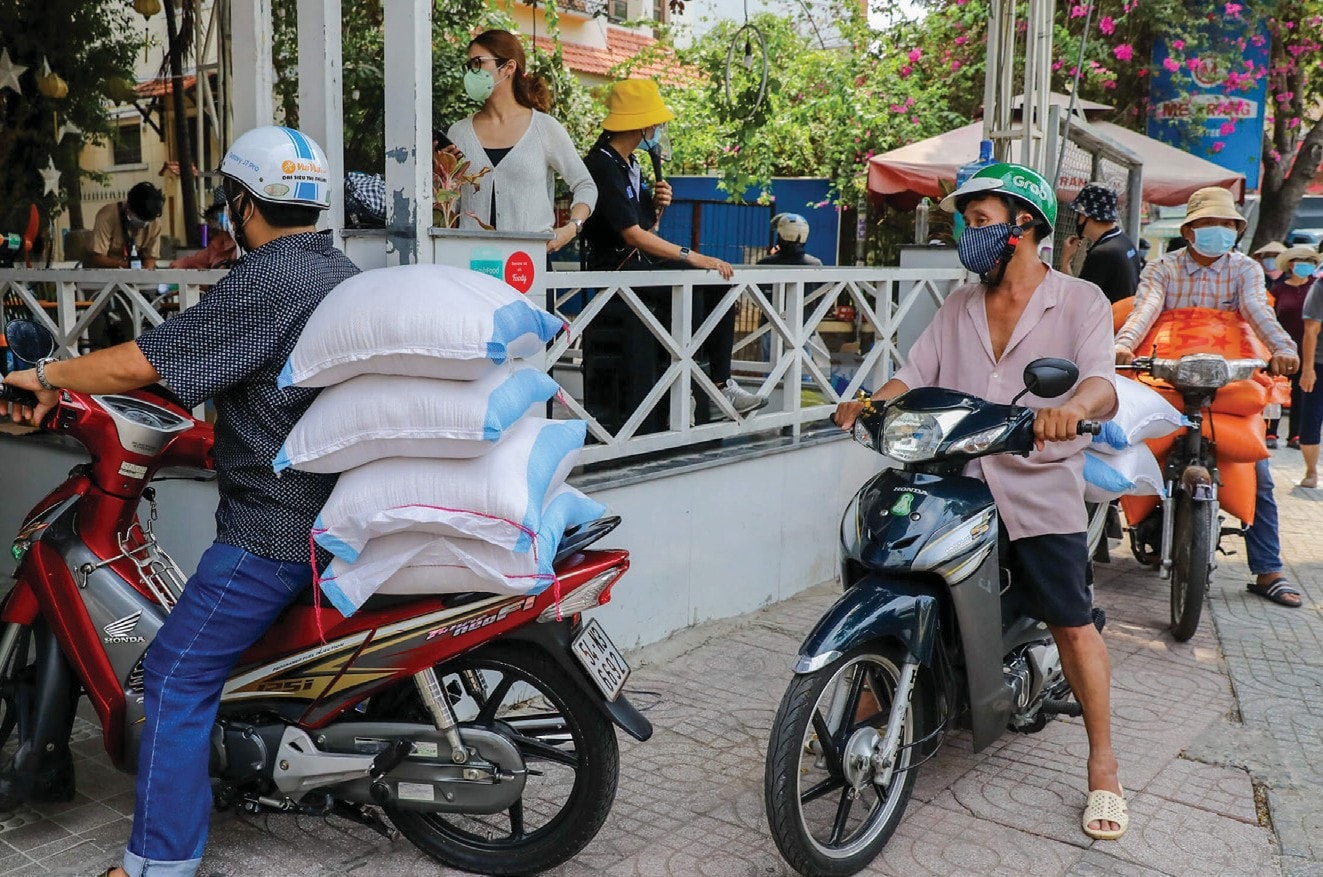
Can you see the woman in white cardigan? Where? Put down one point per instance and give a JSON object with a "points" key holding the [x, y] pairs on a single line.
{"points": [[513, 135]]}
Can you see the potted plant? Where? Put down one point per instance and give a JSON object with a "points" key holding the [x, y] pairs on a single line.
{"points": [[450, 173]]}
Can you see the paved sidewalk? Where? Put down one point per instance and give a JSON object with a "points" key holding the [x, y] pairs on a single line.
{"points": [[1188, 722]]}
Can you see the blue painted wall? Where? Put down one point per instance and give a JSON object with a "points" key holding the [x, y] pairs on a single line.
{"points": [[728, 228]]}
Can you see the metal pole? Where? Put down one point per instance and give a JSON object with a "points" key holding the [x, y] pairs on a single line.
{"points": [[408, 130], [253, 97], [321, 94]]}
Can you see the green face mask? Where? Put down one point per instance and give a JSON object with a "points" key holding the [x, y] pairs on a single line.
{"points": [[479, 85]]}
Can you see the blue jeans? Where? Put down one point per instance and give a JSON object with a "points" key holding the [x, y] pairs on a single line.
{"points": [[1263, 546], [228, 603]]}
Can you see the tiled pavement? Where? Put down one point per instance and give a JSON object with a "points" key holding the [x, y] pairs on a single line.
{"points": [[1189, 720]]}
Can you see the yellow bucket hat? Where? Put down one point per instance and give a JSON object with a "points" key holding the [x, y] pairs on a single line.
{"points": [[1298, 253], [634, 104]]}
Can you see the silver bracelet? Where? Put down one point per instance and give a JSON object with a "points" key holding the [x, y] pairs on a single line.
{"points": [[41, 373]]}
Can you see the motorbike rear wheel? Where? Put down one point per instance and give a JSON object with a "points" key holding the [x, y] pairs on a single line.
{"points": [[1191, 562], [825, 819], [567, 744]]}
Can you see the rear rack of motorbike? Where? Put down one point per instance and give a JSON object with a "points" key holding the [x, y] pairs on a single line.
{"points": [[157, 570]]}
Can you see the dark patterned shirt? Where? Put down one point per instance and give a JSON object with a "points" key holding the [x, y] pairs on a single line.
{"points": [[230, 347]]}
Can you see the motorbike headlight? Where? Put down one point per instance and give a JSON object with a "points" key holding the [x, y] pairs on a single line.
{"points": [[979, 441], [914, 436], [1202, 371], [861, 434]]}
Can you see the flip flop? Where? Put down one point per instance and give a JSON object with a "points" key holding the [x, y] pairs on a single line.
{"points": [[1105, 806], [1278, 590]]}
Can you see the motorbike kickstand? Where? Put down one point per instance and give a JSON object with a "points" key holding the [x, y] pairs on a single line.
{"points": [[364, 816]]}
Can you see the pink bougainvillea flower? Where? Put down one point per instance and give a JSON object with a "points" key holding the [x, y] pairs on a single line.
{"points": [[1078, 11], [960, 41], [906, 71], [1171, 64], [1293, 122], [1192, 63], [1178, 44], [1218, 146], [1142, 71], [915, 54], [1124, 52], [1233, 9], [955, 65], [1227, 128], [1109, 83], [1107, 25]]}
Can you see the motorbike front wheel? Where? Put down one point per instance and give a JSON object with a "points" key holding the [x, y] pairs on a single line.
{"points": [[1191, 562], [829, 811], [567, 744]]}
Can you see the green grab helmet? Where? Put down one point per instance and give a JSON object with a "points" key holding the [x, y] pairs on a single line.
{"points": [[1022, 183]]}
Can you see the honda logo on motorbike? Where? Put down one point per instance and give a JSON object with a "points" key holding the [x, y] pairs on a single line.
{"points": [[120, 631]]}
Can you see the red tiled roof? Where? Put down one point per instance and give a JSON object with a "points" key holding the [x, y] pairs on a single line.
{"points": [[621, 46], [159, 87]]}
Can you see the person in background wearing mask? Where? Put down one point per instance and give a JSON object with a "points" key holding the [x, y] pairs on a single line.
{"points": [[1112, 260], [221, 250], [1288, 301], [1208, 273], [791, 231], [622, 235], [1311, 398], [127, 234], [979, 342], [1267, 256], [513, 135]]}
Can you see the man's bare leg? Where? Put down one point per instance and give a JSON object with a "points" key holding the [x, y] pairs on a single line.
{"points": [[1084, 661]]}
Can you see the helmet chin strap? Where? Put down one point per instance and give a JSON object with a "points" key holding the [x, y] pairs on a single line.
{"points": [[998, 273]]}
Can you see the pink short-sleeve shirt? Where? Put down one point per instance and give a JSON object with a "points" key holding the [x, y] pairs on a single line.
{"points": [[1066, 317]]}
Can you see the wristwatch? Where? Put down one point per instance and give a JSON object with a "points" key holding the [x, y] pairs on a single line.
{"points": [[684, 253], [578, 225], [41, 373]]}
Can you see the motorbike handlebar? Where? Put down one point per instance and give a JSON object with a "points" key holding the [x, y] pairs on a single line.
{"points": [[17, 396], [1088, 427]]}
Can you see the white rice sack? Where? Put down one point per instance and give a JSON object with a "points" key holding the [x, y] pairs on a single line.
{"points": [[371, 417], [497, 497], [1142, 414], [420, 563], [432, 321], [1132, 472]]}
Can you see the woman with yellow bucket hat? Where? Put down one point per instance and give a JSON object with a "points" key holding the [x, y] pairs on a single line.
{"points": [[623, 361]]}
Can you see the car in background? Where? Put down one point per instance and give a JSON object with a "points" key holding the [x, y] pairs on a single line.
{"points": [[1307, 224]]}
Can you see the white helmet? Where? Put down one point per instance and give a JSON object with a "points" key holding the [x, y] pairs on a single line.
{"points": [[281, 166], [791, 227]]}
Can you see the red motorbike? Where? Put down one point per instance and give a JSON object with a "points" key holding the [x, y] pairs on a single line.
{"points": [[480, 724]]}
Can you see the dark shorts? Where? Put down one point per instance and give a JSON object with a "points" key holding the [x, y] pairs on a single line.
{"points": [[1050, 574]]}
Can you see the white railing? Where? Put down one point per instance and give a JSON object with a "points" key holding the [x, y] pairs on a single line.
{"points": [[782, 317], [785, 335], [68, 301]]}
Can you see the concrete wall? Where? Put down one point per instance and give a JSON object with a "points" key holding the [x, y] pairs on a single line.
{"points": [[705, 544]]}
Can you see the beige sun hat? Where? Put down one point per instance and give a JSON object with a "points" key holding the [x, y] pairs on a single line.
{"points": [[1272, 248], [1298, 253], [1213, 202]]}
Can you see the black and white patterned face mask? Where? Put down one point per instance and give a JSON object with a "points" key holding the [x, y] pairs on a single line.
{"points": [[981, 248]]}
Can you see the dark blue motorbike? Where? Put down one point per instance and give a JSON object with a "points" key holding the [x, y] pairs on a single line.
{"points": [[929, 635]]}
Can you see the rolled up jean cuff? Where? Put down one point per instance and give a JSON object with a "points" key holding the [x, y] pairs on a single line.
{"points": [[137, 866]]}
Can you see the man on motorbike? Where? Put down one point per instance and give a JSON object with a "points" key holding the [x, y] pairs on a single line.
{"points": [[230, 347], [979, 342], [1207, 273]]}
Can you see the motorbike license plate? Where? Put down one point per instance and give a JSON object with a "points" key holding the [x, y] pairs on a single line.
{"points": [[600, 657]]}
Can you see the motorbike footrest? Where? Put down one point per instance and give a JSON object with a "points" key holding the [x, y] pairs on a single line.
{"points": [[1062, 708]]}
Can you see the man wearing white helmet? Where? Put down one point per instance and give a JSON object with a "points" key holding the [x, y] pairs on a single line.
{"points": [[791, 231], [229, 348]]}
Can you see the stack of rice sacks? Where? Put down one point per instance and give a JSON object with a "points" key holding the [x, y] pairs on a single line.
{"points": [[1236, 423], [449, 481]]}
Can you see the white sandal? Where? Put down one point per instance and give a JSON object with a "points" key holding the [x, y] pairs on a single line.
{"points": [[1105, 806]]}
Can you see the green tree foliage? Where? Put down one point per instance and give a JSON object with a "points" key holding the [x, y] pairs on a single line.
{"points": [[86, 42]]}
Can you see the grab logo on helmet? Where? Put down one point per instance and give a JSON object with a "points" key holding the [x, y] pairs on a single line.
{"points": [[1032, 185], [280, 165]]}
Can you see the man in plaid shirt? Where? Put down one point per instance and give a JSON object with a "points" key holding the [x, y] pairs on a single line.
{"points": [[1207, 273]]}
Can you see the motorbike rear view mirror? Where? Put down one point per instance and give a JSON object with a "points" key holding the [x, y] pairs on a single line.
{"points": [[29, 341], [1048, 378]]}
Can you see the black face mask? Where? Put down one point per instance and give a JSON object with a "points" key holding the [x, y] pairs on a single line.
{"points": [[1079, 226], [237, 223]]}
